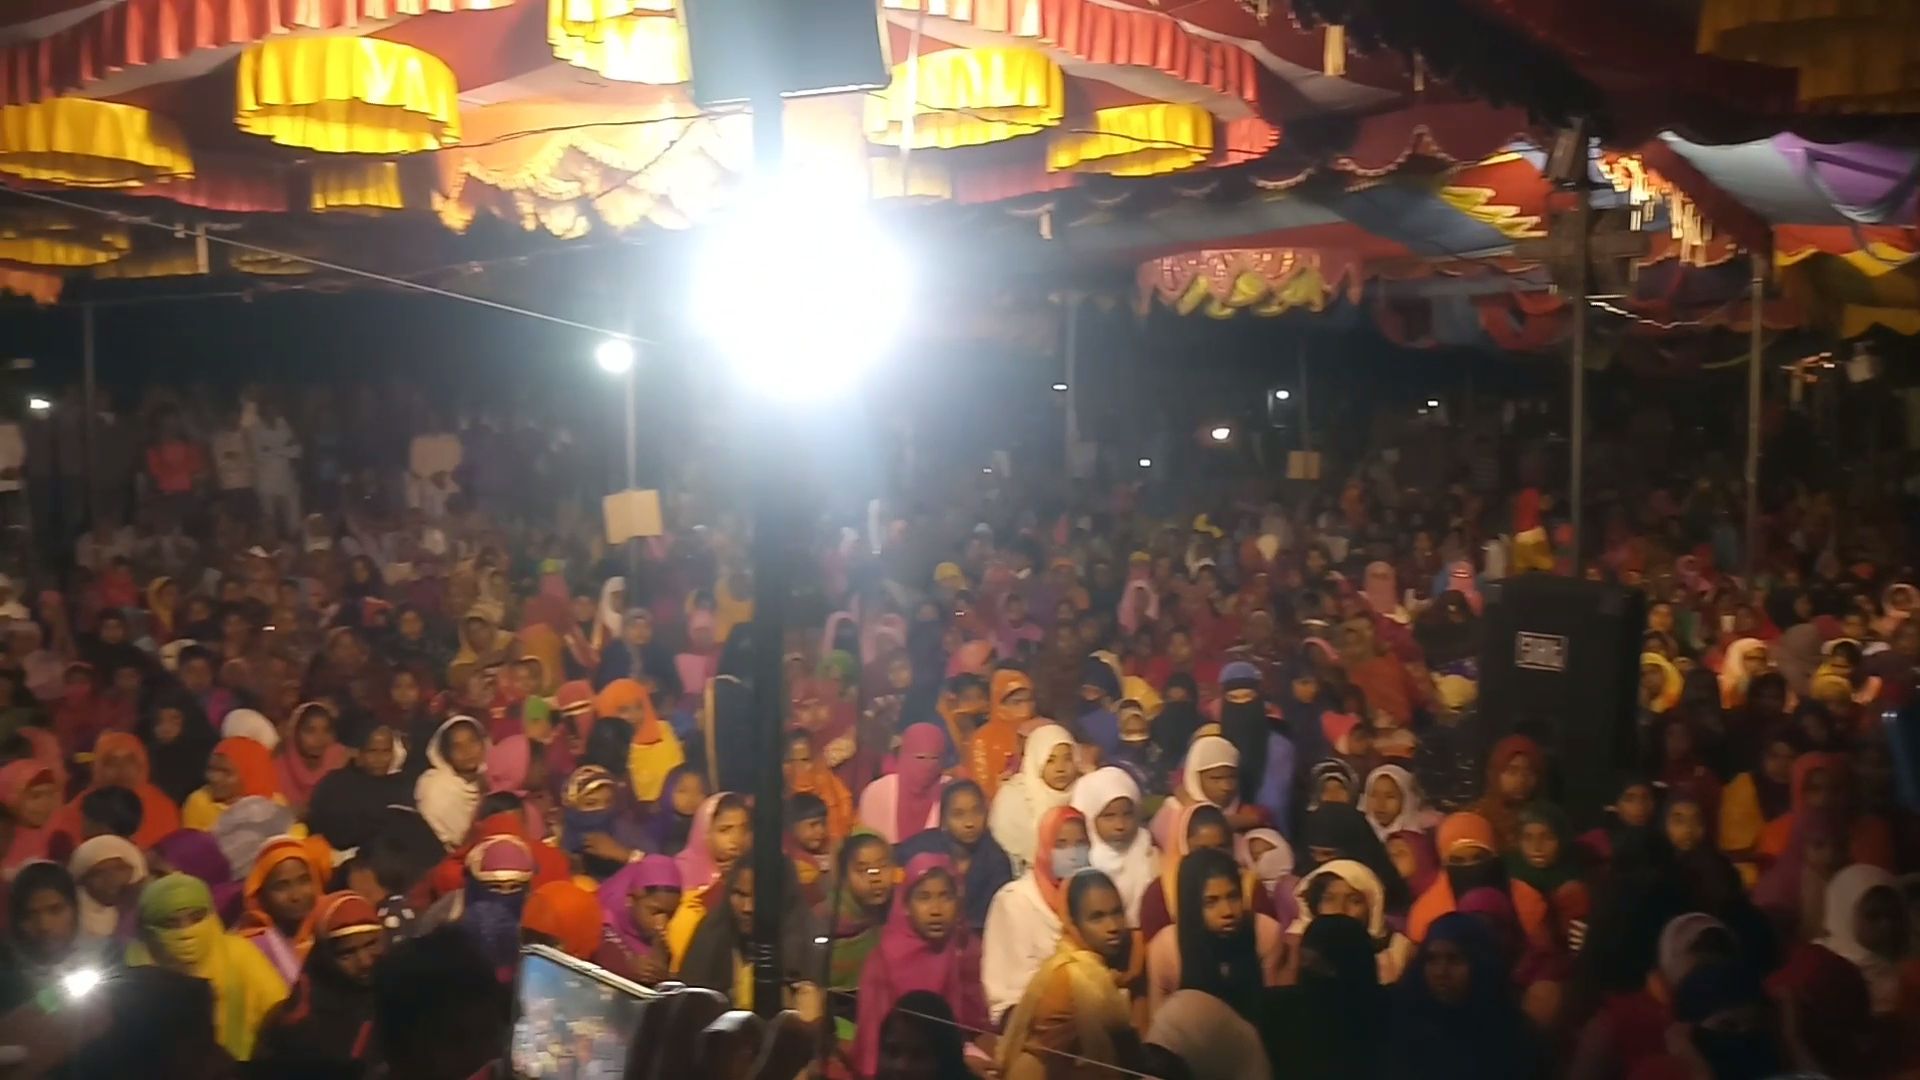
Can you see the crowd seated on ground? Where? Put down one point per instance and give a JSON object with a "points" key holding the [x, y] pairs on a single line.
{"points": [[1068, 791]]}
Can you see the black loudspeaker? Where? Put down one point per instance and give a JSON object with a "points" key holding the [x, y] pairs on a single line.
{"points": [[1560, 662]]}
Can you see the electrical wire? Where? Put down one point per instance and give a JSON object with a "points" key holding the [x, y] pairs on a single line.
{"points": [[339, 268]]}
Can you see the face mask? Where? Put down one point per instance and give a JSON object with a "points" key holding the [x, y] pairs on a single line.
{"points": [[1069, 861], [189, 947]]}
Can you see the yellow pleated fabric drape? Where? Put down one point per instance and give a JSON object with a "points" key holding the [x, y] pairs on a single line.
{"points": [[639, 41], [1851, 55], [968, 97], [265, 265], [34, 236], [174, 260], [85, 143], [347, 95], [360, 186], [1134, 140], [923, 180]]}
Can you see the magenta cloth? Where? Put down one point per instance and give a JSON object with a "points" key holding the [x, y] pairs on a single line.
{"points": [[921, 749], [298, 779], [198, 854], [616, 913], [28, 844], [903, 962], [508, 762], [695, 861]]}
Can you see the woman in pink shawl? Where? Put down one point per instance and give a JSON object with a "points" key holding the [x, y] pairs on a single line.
{"points": [[635, 906], [925, 945], [313, 752], [907, 802], [30, 792], [698, 665]]}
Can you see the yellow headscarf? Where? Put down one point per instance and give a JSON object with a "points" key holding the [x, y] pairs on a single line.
{"points": [[245, 986]]}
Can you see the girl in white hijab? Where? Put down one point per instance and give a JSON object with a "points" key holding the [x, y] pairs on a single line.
{"points": [[1346, 887], [1045, 780], [449, 792], [1209, 757], [107, 871], [1121, 847], [1394, 804], [1865, 917]]}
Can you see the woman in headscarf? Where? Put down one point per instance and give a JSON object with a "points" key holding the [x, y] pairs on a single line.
{"points": [[1345, 887], [716, 956], [110, 872], [635, 905], [1217, 942], [179, 931], [925, 945], [1326, 1025], [1454, 1016], [239, 768], [1515, 768], [1210, 776], [564, 916], [178, 739], [671, 819], [856, 908], [327, 1019], [499, 872], [1338, 831], [994, 745], [120, 761], [636, 655], [722, 832], [1471, 861], [347, 804], [1755, 798], [449, 792], [1047, 772], [1546, 859], [805, 774], [483, 645], [1819, 783], [1179, 717], [44, 940], [196, 853], [31, 795], [1200, 825], [1109, 800], [1792, 891], [1023, 922], [1631, 1026], [306, 757], [962, 836], [1394, 803], [282, 890], [1848, 1007], [903, 803], [1087, 1001], [655, 750]]}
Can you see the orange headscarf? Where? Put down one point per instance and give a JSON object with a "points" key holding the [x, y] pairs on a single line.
{"points": [[255, 920], [566, 913], [158, 815], [626, 694], [1051, 823], [253, 764], [997, 740]]}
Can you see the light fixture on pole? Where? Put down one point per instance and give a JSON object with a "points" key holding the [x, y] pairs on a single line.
{"points": [[1282, 394], [1220, 433], [1146, 463], [614, 355], [1059, 388], [39, 404]]}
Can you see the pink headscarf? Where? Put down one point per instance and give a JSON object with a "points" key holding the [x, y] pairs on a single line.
{"points": [[904, 961], [697, 868], [46, 751], [28, 844], [921, 747], [971, 659], [508, 762]]}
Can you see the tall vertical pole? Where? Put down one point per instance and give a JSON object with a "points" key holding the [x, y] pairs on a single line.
{"points": [[1072, 347], [1306, 418], [633, 482], [1755, 348], [1577, 451], [774, 527], [89, 409]]}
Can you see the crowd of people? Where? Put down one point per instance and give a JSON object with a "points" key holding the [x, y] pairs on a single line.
{"points": [[1070, 790]]}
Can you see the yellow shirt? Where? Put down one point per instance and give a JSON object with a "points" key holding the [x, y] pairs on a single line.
{"points": [[648, 766], [680, 928]]}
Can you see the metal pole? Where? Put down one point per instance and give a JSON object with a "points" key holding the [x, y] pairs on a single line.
{"points": [[632, 450], [1306, 420], [1577, 453], [633, 466], [773, 528], [1073, 382], [89, 408], [1755, 348]]}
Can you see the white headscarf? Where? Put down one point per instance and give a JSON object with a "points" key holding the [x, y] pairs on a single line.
{"points": [[1014, 818], [1361, 879], [1133, 867], [611, 617], [1214, 1041], [250, 724], [1040, 746], [1412, 808], [1273, 865], [100, 920], [1677, 938], [1207, 752], [448, 800], [1844, 894]]}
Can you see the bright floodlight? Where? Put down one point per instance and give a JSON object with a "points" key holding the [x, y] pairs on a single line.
{"points": [[79, 984], [1146, 463], [38, 403], [1059, 388], [614, 355], [1433, 403], [1221, 433], [800, 289], [1282, 395]]}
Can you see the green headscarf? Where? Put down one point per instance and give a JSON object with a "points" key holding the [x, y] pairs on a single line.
{"points": [[166, 897], [1564, 868]]}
